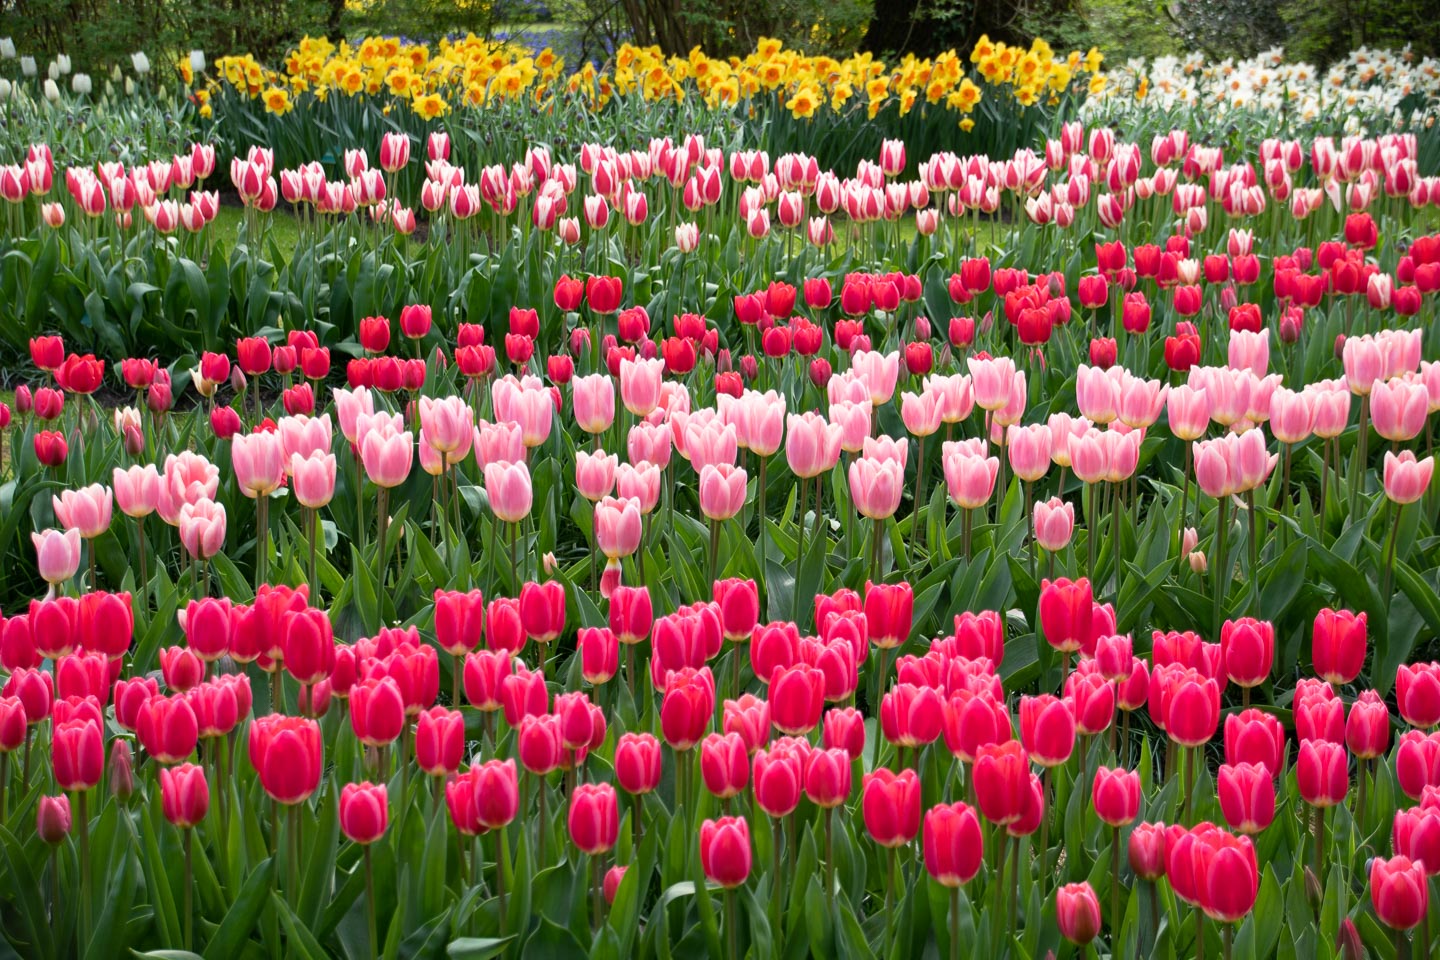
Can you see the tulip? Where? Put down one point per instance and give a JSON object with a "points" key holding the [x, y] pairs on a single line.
{"points": [[1248, 647], [725, 854], [1116, 796], [797, 698], [77, 754], [1077, 913], [1247, 796], [594, 818], [1322, 773], [1399, 891], [724, 764], [1417, 693], [637, 763], [953, 844], [57, 554], [1254, 737], [439, 740], [184, 794], [52, 819], [1338, 645]]}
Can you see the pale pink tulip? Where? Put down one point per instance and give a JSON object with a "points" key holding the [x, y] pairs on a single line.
{"points": [[509, 488], [1407, 479], [640, 384], [1292, 415], [722, 490], [1097, 393], [534, 410], [879, 372], [57, 554], [1062, 428], [639, 482], [708, 442], [1331, 400], [595, 474], [259, 462], [498, 443], [1250, 350], [1028, 449], [1054, 523], [350, 405], [387, 455], [921, 412], [1364, 363], [446, 422], [812, 445], [593, 398], [188, 478], [202, 528], [887, 448], [1090, 455], [876, 486], [617, 527], [969, 477], [304, 435], [87, 510], [1188, 411], [652, 442], [956, 398], [137, 489], [313, 478], [853, 419], [1141, 400], [1398, 408]]}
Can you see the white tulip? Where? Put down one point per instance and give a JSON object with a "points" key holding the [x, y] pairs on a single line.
{"points": [[7, 48], [197, 61], [5, 89], [52, 91], [62, 60], [140, 62], [27, 66], [80, 83]]}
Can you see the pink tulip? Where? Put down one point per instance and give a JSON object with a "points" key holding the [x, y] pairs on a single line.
{"points": [[57, 554], [1407, 479], [956, 398], [640, 384], [387, 454], [510, 491], [921, 412], [812, 445], [876, 486], [87, 510], [1364, 363], [617, 527], [1054, 523], [1122, 452], [853, 419], [594, 401], [722, 491], [202, 528], [1398, 408], [1331, 402], [1250, 351], [137, 489], [1097, 393], [640, 482], [1188, 411], [1215, 470], [1029, 451], [651, 442], [1141, 401], [759, 420], [1252, 458], [1292, 415], [990, 380], [313, 479], [498, 443], [595, 474], [259, 462], [446, 423], [709, 442], [969, 475], [879, 372], [304, 435], [350, 406], [1089, 455], [534, 410]]}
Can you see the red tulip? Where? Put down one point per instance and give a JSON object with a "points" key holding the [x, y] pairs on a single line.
{"points": [[497, 793], [364, 812], [1367, 728], [890, 804], [167, 728], [1077, 913], [637, 763], [631, 616], [286, 752], [542, 610], [77, 754], [827, 777], [953, 844], [1116, 795], [1399, 891], [1417, 693], [1065, 611], [797, 698], [541, 744], [484, 675], [1338, 645], [844, 729], [1047, 729], [911, 716], [1322, 773], [1002, 778], [594, 818], [1247, 796], [1248, 646], [889, 610], [439, 740], [725, 851], [377, 711], [779, 777], [1254, 736], [687, 706], [459, 618], [739, 602], [724, 764], [1146, 850]]}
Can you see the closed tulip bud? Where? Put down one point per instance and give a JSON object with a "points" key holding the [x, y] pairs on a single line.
{"points": [[1322, 773], [184, 794], [1077, 913], [439, 740], [52, 819], [1367, 729], [1001, 781], [1248, 647], [1116, 795], [1338, 645], [364, 812], [1146, 850], [725, 854], [1247, 796], [827, 777], [724, 764]]}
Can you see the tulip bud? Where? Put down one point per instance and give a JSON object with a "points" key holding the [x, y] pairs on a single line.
{"points": [[121, 770]]}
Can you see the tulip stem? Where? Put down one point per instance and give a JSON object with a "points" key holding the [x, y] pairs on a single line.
{"points": [[1228, 938], [313, 516], [144, 570], [84, 865], [1361, 774], [94, 584], [1044, 823], [189, 889], [830, 858], [540, 824], [382, 525], [1222, 566], [875, 550], [919, 486], [954, 923], [1187, 760], [890, 885], [1389, 572], [1361, 454], [732, 918], [1115, 889], [293, 843], [1320, 844], [1014, 883], [370, 904], [262, 534], [714, 548], [1184, 506], [4, 780], [1000, 851], [1115, 548]]}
